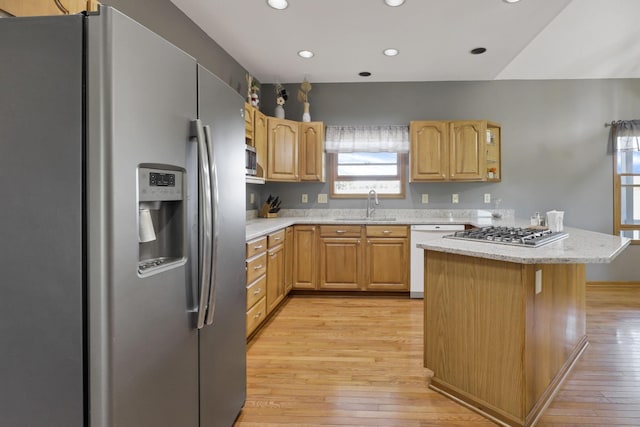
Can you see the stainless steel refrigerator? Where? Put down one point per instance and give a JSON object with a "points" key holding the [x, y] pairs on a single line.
{"points": [[122, 198]]}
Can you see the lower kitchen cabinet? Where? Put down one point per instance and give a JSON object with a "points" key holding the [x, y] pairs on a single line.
{"points": [[288, 260], [304, 257], [387, 258], [340, 257], [275, 276]]}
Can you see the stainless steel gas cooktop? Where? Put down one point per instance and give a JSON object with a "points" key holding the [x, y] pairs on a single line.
{"points": [[517, 236]]}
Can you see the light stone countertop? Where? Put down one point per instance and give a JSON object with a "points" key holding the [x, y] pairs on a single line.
{"points": [[581, 247]]}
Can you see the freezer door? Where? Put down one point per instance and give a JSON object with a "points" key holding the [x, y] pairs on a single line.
{"points": [[144, 349], [223, 342], [41, 222]]}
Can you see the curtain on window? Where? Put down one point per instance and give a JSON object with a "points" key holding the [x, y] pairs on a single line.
{"points": [[373, 139], [625, 135]]}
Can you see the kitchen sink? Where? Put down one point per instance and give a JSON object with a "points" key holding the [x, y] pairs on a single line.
{"points": [[364, 219]]}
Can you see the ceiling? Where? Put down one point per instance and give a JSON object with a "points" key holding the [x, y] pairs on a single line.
{"points": [[532, 39]]}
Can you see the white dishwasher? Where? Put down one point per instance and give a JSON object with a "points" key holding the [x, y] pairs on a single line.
{"points": [[422, 234]]}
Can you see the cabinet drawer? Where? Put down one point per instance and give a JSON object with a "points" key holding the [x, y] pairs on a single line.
{"points": [[256, 314], [254, 247], [256, 267], [340, 230], [387, 231], [276, 238], [256, 290]]}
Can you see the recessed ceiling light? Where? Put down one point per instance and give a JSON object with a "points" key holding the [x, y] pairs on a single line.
{"points": [[278, 4], [306, 54], [478, 50], [511, 1], [394, 3], [364, 74], [391, 52]]}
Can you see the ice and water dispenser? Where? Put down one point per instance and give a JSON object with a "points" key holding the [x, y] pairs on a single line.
{"points": [[161, 218]]}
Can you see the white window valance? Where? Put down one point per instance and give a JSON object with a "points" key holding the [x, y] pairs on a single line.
{"points": [[372, 139], [625, 135]]}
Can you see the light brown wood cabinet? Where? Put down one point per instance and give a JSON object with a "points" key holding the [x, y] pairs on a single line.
{"points": [[367, 258], [304, 257], [288, 260], [387, 258], [311, 152], [455, 151], [256, 265], [260, 142], [249, 112], [340, 257], [275, 270], [47, 7], [282, 150]]}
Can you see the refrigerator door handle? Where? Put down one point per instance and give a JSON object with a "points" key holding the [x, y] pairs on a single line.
{"points": [[204, 189], [216, 225]]}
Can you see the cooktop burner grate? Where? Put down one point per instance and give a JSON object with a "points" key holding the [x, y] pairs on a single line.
{"points": [[517, 236]]}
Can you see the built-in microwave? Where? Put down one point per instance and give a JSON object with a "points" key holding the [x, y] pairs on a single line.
{"points": [[250, 160]]}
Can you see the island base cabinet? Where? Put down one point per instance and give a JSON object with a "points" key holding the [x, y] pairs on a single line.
{"points": [[500, 336]]}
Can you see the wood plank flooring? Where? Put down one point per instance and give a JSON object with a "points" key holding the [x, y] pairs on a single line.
{"points": [[357, 361]]}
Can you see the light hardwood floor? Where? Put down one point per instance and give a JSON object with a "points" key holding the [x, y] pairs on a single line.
{"points": [[357, 361]]}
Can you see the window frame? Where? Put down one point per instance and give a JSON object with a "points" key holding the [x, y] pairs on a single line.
{"points": [[618, 226], [333, 176]]}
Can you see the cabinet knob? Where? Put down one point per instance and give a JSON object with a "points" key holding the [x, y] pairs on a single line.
{"points": [[258, 247], [258, 267], [257, 315], [341, 231], [257, 291], [386, 232]]}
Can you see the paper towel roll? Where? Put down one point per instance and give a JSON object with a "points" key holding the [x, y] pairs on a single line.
{"points": [[146, 232]]}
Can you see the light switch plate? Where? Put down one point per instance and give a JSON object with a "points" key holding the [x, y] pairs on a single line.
{"points": [[455, 198], [322, 198], [305, 198], [487, 197], [425, 198]]}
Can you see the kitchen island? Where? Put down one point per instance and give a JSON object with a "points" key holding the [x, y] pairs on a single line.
{"points": [[504, 324]]}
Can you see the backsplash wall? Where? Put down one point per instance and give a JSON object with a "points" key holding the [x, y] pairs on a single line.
{"points": [[554, 145]]}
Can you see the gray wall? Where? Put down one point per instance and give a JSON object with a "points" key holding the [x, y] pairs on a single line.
{"points": [[165, 19], [554, 152]]}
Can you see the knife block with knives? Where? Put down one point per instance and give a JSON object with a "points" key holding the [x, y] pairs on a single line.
{"points": [[270, 208]]}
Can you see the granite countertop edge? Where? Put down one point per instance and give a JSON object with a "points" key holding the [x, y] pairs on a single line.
{"points": [[581, 247]]}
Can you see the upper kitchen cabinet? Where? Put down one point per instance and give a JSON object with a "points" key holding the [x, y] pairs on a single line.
{"points": [[260, 142], [311, 155], [43, 8], [429, 151], [282, 150], [295, 151], [455, 151]]}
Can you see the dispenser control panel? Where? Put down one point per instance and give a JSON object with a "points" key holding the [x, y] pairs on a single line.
{"points": [[159, 185], [162, 179]]}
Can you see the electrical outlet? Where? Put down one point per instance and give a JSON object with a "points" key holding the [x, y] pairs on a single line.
{"points": [[305, 198], [322, 198], [252, 198], [425, 198], [455, 198], [487, 197]]}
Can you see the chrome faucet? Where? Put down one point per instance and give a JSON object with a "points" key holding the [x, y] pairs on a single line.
{"points": [[370, 208]]}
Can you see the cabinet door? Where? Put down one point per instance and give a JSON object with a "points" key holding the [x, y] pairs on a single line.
{"points": [[288, 260], [387, 264], [340, 263], [260, 142], [304, 257], [248, 123], [282, 147], [429, 159], [311, 146], [467, 151], [275, 277]]}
